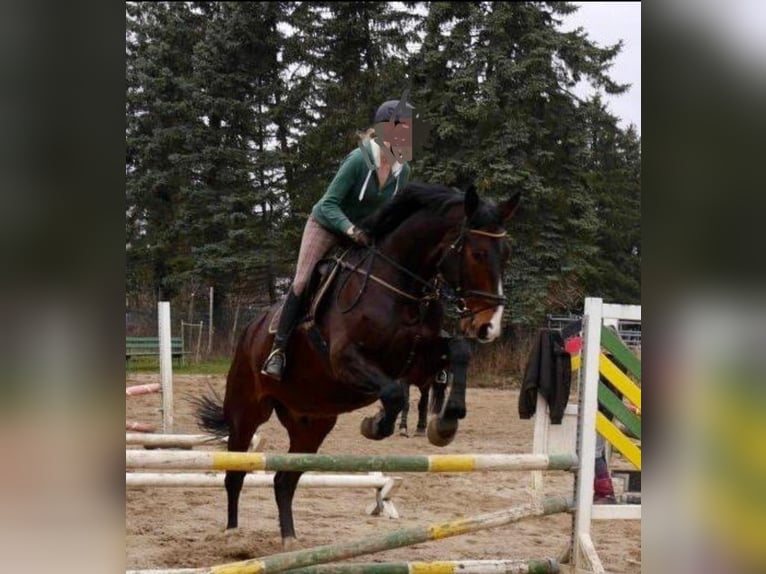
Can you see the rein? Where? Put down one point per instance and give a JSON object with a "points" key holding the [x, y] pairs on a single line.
{"points": [[438, 289], [367, 277]]}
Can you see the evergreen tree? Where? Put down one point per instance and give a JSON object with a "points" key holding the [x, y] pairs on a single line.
{"points": [[614, 179], [239, 114], [159, 135], [495, 79], [238, 184]]}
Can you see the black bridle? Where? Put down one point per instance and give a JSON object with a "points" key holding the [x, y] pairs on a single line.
{"points": [[439, 288], [457, 295]]}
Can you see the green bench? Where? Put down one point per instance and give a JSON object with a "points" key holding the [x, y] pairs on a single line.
{"points": [[150, 346]]}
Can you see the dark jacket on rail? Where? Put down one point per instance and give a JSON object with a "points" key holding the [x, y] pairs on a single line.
{"points": [[549, 372]]}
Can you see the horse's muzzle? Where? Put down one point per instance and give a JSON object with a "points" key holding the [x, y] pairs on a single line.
{"points": [[482, 331]]}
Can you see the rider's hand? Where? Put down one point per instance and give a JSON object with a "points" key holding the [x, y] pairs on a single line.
{"points": [[358, 236]]}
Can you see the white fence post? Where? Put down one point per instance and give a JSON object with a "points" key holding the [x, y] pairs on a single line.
{"points": [[166, 366], [587, 439]]}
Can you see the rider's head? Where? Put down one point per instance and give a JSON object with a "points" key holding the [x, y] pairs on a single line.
{"points": [[393, 125]]}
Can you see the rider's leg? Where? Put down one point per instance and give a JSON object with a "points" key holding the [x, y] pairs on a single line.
{"points": [[275, 364], [315, 244]]}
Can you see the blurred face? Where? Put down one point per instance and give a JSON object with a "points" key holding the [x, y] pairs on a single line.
{"points": [[399, 136]]}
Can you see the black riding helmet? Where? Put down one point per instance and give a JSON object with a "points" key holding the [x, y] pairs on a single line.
{"points": [[392, 110]]}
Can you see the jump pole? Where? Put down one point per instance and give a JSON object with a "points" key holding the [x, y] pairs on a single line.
{"points": [[180, 440], [386, 541], [142, 389], [545, 566], [180, 480], [138, 427], [207, 460]]}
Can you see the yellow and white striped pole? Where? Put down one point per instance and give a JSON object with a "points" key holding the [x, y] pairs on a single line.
{"points": [[207, 460]]}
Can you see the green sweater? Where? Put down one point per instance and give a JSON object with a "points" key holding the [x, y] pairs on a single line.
{"points": [[340, 207]]}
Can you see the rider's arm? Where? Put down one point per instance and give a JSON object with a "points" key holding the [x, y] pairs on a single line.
{"points": [[328, 209]]}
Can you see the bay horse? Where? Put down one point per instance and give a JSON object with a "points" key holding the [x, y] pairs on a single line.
{"points": [[435, 250]]}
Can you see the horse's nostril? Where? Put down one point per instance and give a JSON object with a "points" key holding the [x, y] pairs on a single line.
{"points": [[484, 331]]}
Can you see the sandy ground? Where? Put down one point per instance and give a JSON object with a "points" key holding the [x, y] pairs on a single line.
{"points": [[184, 527]]}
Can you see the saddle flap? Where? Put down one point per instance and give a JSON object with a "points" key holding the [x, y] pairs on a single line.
{"points": [[322, 277]]}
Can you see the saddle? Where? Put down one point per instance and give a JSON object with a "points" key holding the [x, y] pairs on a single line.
{"points": [[322, 278]]}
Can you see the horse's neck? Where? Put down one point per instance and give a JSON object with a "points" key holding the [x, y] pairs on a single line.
{"points": [[416, 248]]}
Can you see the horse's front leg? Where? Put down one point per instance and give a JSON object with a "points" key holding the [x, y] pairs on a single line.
{"points": [[442, 430], [358, 371]]}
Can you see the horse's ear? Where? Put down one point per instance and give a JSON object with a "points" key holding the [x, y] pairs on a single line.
{"points": [[471, 200], [508, 207]]}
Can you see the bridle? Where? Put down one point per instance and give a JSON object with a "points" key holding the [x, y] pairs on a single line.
{"points": [[457, 295], [437, 289]]}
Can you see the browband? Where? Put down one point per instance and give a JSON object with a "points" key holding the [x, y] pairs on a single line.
{"points": [[488, 234]]}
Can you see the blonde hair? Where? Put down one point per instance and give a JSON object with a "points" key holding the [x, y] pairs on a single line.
{"points": [[366, 135]]}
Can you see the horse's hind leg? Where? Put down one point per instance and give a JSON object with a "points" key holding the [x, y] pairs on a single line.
{"points": [[242, 426], [243, 417], [306, 435]]}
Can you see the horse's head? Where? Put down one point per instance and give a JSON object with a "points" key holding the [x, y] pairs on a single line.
{"points": [[473, 262], [436, 232]]}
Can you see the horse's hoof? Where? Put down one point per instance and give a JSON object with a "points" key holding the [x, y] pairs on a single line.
{"points": [[453, 412], [403, 432], [290, 543], [420, 432], [441, 433], [369, 429]]}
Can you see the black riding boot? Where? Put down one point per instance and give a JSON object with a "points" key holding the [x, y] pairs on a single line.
{"points": [[275, 364]]}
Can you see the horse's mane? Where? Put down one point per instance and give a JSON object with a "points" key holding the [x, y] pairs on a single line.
{"points": [[427, 198], [415, 198]]}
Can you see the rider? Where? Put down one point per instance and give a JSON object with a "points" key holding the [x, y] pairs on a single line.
{"points": [[352, 195]]}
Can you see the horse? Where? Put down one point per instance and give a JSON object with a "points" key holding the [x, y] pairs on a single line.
{"points": [[433, 392], [435, 250], [420, 429]]}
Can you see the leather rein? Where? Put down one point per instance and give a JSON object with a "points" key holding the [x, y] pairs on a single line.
{"points": [[439, 288]]}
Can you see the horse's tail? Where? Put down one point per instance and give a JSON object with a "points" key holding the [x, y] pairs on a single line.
{"points": [[208, 411]]}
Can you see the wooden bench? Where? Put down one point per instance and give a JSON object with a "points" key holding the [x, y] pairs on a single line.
{"points": [[150, 346]]}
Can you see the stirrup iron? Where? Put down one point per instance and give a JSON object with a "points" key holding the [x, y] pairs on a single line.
{"points": [[274, 370]]}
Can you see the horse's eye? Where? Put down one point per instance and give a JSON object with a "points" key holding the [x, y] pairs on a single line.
{"points": [[479, 256]]}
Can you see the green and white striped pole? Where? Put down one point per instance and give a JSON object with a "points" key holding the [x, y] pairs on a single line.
{"points": [[248, 461], [542, 566], [378, 543]]}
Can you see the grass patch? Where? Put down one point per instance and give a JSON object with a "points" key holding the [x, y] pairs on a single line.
{"points": [[212, 366]]}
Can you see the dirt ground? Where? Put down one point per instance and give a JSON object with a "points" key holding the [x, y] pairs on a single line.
{"points": [[184, 527]]}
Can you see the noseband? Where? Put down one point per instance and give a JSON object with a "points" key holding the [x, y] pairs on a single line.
{"points": [[456, 294]]}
